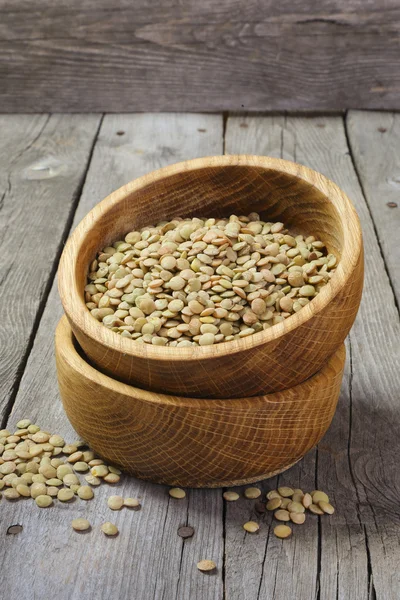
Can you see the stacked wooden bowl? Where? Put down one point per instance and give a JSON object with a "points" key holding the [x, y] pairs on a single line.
{"points": [[235, 412]]}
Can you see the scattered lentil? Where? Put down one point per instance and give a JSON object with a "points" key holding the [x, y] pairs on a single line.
{"points": [[274, 503], [132, 503], [252, 492], [315, 509], [177, 493], [282, 531], [11, 494], [231, 496], [109, 529], [115, 502], [285, 492], [80, 524], [325, 506], [43, 501], [282, 515], [251, 527], [112, 478], [65, 495], [298, 518], [206, 565], [99, 471], [186, 532], [85, 492], [319, 496]]}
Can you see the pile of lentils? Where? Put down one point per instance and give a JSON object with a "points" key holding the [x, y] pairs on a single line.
{"points": [[38, 464], [190, 282]]}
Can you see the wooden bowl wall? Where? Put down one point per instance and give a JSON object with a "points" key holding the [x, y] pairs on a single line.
{"points": [[194, 442], [271, 360]]}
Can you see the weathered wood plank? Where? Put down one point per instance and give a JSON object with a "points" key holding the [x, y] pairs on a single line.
{"points": [[356, 458], [148, 560], [43, 162], [375, 142], [373, 390], [199, 56]]}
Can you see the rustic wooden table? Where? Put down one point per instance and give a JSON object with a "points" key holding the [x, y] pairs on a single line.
{"points": [[54, 168]]}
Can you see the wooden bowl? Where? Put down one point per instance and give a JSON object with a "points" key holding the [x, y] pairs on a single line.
{"points": [[268, 361], [194, 442]]}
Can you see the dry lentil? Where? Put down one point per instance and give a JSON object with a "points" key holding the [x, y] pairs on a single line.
{"points": [[99, 471], [252, 492], [115, 502], [177, 493], [273, 494], [251, 527], [190, 268], [315, 509], [81, 467], [85, 492], [92, 480], [285, 492], [319, 496], [23, 490], [231, 496], [131, 503], [282, 531], [206, 565], [80, 524], [325, 506], [43, 501], [109, 529], [274, 503], [186, 532], [11, 494], [112, 478], [297, 518], [65, 495], [295, 507], [282, 515]]}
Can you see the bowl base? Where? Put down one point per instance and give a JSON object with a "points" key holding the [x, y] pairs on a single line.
{"points": [[220, 484]]}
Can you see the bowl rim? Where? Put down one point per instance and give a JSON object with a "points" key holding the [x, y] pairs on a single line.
{"points": [[65, 343], [73, 299]]}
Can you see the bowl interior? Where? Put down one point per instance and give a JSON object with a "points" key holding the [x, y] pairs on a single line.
{"points": [[217, 192]]}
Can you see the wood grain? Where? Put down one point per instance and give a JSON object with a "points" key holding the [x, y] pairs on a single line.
{"points": [[199, 56], [43, 162], [271, 360], [184, 441], [375, 144], [148, 560], [358, 546]]}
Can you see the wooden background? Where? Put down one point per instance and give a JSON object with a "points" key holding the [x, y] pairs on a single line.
{"points": [[191, 55], [53, 170]]}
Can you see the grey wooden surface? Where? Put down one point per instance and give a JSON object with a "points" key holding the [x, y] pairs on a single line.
{"points": [[86, 55], [350, 556]]}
